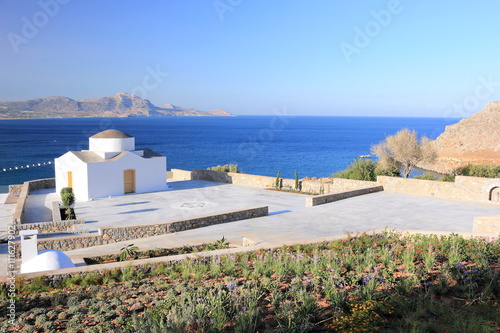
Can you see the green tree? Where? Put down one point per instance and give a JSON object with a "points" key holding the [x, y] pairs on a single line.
{"points": [[297, 183], [68, 199], [277, 181]]}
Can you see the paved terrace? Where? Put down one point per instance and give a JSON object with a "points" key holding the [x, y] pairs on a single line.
{"points": [[289, 219]]}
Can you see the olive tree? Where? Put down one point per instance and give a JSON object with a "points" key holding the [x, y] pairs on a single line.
{"points": [[403, 151], [68, 199]]}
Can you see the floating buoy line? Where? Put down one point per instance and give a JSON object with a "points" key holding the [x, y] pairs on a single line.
{"points": [[26, 166]]}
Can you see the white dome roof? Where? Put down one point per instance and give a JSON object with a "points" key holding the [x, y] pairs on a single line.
{"points": [[47, 260]]}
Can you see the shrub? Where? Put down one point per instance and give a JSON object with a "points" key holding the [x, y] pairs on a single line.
{"points": [[448, 178], [68, 199], [479, 170], [226, 168], [426, 176], [360, 169], [277, 182], [127, 252]]}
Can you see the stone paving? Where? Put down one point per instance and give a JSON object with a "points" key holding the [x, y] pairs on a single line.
{"points": [[289, 219]]}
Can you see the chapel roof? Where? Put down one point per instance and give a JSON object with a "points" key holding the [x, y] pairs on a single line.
{"points": [[91, 157], [111, 134]]}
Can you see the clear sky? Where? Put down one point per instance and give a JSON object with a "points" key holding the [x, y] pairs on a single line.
{"points": [[318, 57]]}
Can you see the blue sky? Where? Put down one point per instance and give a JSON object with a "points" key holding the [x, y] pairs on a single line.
{"points": [[324, 57]]}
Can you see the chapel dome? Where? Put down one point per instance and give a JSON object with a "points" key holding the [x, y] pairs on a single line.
{"points": [[111, 141], [111, 134], [47, 260]]}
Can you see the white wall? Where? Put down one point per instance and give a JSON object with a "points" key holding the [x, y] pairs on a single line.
{"points": [[69, 162], [106, 179], [111, 145]]}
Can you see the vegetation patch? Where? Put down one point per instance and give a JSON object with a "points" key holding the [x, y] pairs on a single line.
{"points": [[226, 168], [385, 282], [479, 170], [131, 252]]}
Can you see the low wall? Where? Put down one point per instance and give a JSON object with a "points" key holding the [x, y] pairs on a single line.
{"points": [[320, 186], [26, 189], [178, 174], [464, 188], [49, 227], [18, 216], [335, 185], [326, 198], [119, 234], [15, 190], [40, 184], [486, 225]]}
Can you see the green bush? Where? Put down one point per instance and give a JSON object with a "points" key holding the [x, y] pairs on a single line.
{"points": [[365, 169], [426, 176], [359, 169], [448, 178], [68, 199], [479, 170], [226, 168]]}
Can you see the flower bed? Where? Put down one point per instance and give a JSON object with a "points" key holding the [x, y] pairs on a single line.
{"points": [[158, 252], [384, 282]]}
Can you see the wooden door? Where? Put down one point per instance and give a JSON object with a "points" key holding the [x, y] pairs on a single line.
{"points": [[129, 181], [70, 179]]}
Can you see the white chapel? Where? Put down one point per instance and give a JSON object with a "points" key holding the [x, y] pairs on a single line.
{"points": [[111, 167]]}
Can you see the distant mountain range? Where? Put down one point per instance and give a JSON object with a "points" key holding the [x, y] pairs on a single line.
{"points": [[119, 105]]}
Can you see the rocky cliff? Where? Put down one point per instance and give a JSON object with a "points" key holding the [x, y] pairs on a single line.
{"points": [[473, 140], [119, 105]]}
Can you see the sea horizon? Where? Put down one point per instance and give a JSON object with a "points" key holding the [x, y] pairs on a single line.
{"points": [[314, 146]]}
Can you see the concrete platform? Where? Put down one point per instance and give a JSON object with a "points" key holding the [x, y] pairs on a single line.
{"points": [[289, 220]]}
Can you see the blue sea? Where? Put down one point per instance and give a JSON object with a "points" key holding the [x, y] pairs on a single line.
{"points": [[313, 146]]}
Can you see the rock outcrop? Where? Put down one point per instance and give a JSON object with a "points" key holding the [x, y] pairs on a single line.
{"points": [[119, 105], [473, 140]]}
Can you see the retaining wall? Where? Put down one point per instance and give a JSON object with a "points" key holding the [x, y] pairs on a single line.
{"points": [[464, 188], [27, 188], [326, 198], [320, 186], [49, 227], [119, 234], [486, 224], [15, 190]]}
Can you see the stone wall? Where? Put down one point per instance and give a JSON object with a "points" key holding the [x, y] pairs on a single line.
{"points": [[464, 188], [49, 227], [40, 184], [27, 188], [335, 185], [326, 198], [324, 185], [18, 216], [178, 174], [486, 225], [119, 234], [15, 190]]}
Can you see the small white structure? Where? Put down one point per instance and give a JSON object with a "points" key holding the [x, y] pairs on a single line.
{"points": [[32, 261], [111, 167], [29, 245], [47, 260]]}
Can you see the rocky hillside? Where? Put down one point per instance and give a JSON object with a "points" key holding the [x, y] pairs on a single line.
{"points": [[119, 105], [473, 140]]}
